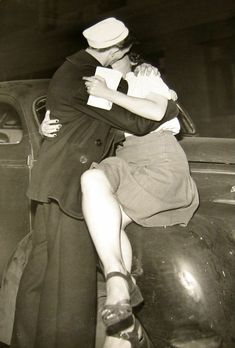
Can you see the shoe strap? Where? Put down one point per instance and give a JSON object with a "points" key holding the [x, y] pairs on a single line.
{"points": [[117, 274]]}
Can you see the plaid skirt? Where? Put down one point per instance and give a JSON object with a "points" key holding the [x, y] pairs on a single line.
{"points": [[151, 180]]}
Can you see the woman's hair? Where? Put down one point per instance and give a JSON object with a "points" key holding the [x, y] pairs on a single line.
{"points": [[135, 58]]}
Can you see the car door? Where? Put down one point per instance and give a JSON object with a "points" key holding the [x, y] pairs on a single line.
{"points": [[15, 150]]}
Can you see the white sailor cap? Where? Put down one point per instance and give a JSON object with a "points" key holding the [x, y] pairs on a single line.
{"points": [[106, 33]]}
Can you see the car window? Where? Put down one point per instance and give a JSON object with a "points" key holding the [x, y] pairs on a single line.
{"points": [[39, 109], [11, 131]]}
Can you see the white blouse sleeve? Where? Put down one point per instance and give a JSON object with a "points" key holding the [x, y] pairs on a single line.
{"points": [[155, 84]]}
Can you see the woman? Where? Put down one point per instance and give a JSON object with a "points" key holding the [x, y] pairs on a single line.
{"points": [[147, 182]]}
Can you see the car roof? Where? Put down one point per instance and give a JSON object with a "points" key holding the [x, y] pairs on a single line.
{"points": [[24, 88]]}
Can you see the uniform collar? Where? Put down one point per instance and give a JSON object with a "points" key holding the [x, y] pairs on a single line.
{"points": [[84, 58]]}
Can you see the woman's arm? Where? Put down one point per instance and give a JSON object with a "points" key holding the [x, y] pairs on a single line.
{"points": [[153, 107]]}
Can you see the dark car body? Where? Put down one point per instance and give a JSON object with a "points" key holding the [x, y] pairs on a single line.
{"points": [[187, 274], [18, 122]]}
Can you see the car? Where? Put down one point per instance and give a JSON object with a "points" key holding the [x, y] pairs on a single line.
{"points": [[186, 273]]}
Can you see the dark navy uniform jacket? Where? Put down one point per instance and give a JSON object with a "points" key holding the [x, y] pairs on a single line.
{"points": [[88, 134]]}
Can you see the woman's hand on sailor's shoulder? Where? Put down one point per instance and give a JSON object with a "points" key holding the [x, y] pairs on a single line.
{"points": [[49, 127], [147, 70], [96, 85]]}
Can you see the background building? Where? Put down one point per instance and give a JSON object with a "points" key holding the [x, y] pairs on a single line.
{"points": [[191, 42]]}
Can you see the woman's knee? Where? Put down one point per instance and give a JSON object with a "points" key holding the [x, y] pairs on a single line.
{"points": [[93, 180]]}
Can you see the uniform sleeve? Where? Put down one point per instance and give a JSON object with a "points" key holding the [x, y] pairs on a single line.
{"points": [[171, 111]]}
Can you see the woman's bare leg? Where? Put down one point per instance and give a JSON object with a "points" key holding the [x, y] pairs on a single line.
{"points": [[106, 222]]}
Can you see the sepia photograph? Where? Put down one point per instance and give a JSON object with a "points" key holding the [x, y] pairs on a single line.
{"points": [[117, 174]]}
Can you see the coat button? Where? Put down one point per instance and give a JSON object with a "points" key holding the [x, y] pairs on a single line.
{"points": [[83, 159], [98, 142]]}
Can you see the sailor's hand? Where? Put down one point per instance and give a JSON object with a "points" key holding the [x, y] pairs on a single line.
{"points": [[96, 85]]}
